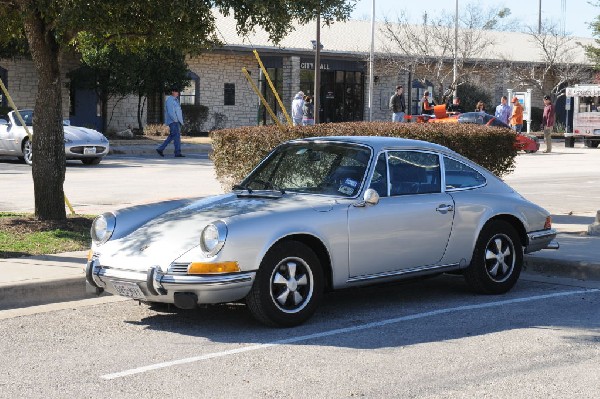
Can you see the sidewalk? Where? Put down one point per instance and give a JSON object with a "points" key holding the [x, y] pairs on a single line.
{"points": [[189, 145]]}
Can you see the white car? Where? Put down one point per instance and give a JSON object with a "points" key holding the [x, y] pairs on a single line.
{"points": [[87, 145], [322, 214]]}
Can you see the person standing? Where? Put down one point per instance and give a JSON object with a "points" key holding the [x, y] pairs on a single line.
{"points": [[297, 105], [548, 122], [516, 119], [503, 110], [455, 107], [426, 104], [308, 116], [397, 105], [173, 119], [480, 107]]}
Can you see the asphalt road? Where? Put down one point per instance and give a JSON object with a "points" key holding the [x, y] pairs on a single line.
{"points": [[427, 339]]}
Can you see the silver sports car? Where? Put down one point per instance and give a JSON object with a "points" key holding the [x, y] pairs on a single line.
{"points": [[81, 143], [322, 214]]}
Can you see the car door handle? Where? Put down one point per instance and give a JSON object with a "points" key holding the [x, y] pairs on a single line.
{"points": [[444, 208]]}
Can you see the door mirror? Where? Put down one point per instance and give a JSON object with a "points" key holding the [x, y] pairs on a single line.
{"points": [[371, 197]]}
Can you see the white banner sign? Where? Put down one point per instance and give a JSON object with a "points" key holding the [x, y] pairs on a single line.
{"points": [[583, 91]]}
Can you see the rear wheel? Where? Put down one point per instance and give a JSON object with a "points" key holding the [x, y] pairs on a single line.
{"points": [[591, 143], [288, 285], [497, 259], [27, 149]]}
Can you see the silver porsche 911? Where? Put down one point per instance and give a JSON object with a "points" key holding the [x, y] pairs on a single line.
{"points": [[322, 214], [86, 145]]}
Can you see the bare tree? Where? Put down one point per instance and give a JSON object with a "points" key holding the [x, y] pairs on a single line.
{"points": [[427, 50], [558, 66]]}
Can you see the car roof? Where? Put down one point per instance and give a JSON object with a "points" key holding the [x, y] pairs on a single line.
{"points": [[380, 143]]}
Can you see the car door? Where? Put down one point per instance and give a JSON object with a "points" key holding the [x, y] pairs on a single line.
{"points": [[411, 224]]}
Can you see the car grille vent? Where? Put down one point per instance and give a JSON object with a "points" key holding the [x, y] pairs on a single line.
{"points": [[178, 268], [79, 149]]}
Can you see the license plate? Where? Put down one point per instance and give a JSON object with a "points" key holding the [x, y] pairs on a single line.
{"points": [[89, 150], [130, 290]]}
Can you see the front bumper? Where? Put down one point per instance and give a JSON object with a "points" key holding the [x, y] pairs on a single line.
{"points": [[543, 239], [157, 286]]}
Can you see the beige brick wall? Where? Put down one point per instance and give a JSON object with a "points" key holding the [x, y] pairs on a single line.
{"points": [[214, 71]]}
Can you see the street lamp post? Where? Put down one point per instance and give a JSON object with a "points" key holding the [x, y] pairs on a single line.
{"points": [[317, 88]]}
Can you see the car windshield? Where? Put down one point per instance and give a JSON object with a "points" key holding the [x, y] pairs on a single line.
{"points": [[312, 167], [27, 116]]}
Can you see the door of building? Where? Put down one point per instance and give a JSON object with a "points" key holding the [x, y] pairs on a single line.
{"points": [[85, 109]]}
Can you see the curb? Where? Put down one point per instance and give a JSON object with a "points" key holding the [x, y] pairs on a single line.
{"points": [[580, 270], [41, 293]]}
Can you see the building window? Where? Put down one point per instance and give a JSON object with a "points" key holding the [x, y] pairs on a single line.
{"points": [[229, 94], [191, 93]]}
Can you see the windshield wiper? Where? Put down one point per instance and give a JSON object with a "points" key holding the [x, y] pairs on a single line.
{"points": [[242, 187]]}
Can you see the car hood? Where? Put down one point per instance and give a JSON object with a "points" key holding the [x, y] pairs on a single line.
{"points": [[76, 133], [167, 237]]}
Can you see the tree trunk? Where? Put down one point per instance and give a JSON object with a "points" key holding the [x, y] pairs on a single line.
{"points": [[48, 140]]}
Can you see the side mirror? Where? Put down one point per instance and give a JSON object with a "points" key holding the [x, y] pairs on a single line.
{"points": [[66, 122], [370, 197]]}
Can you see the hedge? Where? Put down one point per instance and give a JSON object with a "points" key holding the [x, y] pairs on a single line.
{"points": [[237, 151]]}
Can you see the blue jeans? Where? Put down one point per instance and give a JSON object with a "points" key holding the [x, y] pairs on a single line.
{"points": [[175, 135], [398, 117], [517, 128]]}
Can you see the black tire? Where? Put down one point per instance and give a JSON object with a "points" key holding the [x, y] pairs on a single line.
{"points": [[288, 286], [591, 143], [27, 149], [91, 161], [497, 259]]}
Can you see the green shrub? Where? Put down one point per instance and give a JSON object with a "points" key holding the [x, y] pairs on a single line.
{"points": [[194, 115], [237, 151]]}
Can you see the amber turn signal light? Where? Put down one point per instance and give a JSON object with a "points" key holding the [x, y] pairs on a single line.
{"points": [[212, 268]]}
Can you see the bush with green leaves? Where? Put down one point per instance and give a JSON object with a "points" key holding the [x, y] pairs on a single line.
{"points": [[237, 151]]}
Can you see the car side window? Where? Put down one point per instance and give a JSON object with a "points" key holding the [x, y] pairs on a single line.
{"points": [[413, 172], [379, 179], [460, 176]]}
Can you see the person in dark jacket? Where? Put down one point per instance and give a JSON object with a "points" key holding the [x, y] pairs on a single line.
{"points": [[397, 105], [455, 106]]}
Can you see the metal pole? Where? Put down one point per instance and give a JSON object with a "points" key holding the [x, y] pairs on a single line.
{"points": [[454, 66], [540, 18], [317, 90], [371, 56]]}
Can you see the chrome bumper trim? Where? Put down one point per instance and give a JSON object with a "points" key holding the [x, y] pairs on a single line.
{"points": [[543, 239]]}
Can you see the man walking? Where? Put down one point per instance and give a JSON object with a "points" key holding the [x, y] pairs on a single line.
{"points": [[297, 108], [173, 119], [397, 105], [503, 110], [548, 122]]}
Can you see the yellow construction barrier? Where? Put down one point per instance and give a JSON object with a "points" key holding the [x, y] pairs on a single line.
{"points": [[20, 118], [263, 100], [262, 67]]}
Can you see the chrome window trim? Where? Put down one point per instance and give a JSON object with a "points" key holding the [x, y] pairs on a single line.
{"points": [[443, 166]]}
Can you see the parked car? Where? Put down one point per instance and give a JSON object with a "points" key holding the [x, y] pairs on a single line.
{"points": [[322, 214], [524, 141], [86, 145]]}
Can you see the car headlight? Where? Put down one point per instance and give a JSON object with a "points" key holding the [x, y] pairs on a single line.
{"points": [[213, 238], [103, 227]]}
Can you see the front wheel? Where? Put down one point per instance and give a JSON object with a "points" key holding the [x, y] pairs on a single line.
{"points": [[497, 259], [27, 149], [288, 285], [91, 161]]}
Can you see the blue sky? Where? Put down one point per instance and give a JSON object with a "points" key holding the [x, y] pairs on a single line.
{"points": [[579, 12]]}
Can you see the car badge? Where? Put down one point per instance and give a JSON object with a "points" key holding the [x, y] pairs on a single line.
{"points": [[143, 248]]}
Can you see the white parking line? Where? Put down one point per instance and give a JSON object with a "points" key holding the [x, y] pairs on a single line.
{"points": [[338, 331]]}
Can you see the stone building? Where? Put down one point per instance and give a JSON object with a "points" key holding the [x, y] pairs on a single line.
{"points": [[218, 83]]}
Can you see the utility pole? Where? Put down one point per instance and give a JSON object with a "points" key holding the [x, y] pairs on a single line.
{"points": [[371, 63], [454, 66], [540, 18], [317, 89]]}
